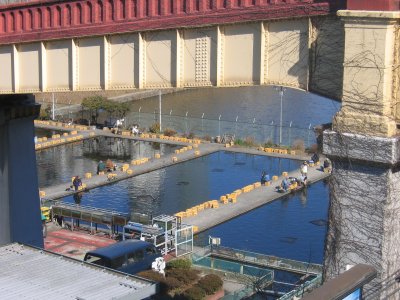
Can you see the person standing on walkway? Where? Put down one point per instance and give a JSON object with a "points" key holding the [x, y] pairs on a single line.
{"points": [[304, 169], [77, 182]]}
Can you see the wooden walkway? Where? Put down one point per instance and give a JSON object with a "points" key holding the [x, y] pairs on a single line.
{"points": [[210, 217]]}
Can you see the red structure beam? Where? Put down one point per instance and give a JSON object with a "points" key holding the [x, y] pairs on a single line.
{"points": [[56, 19], [380, 5]]}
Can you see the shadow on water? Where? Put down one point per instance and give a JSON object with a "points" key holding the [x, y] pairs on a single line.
{"points": [[58, 164]]}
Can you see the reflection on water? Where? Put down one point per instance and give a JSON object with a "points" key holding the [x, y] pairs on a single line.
{"points": [[58, 164], [285, 228], [245, 112], [40, 132], [261, 103], [184, 185]]}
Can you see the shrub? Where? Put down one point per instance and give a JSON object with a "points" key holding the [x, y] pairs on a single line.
{"points": [[207, 138], [191, 135], [179, 264], [184, 275], [247, 142], [269, 144], [155, 276], [169, 132], [250, 141], [194, 293], [210, 283], [313, 148], [151, 275], [173, 283], [298, 145], [155, 128]]}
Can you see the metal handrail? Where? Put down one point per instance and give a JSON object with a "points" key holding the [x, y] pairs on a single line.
{"points": [[268, 260]]}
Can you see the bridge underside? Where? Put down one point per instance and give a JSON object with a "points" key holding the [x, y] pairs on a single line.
{"points": [[301, 53]]}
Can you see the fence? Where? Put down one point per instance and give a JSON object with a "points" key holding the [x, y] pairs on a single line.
{"points": [[202, 127], [305, 287], [254, 131], [209, 257], [269, 261]]}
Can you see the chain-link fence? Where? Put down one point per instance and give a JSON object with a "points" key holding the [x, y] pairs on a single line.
{"points": [[255, 131]]}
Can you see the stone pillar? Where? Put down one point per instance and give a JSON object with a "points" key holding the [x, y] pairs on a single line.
{"points": [[364, 213], [369, 73], [20, 219]]}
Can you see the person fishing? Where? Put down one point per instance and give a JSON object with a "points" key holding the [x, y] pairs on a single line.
{"points": [[110, 166], [264, 178], [101, 167], [77, 182]]}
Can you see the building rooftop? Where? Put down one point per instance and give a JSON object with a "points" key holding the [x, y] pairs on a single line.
{"points": [[31, 273]]}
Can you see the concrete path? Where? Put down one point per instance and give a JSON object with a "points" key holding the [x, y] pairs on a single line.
{"points": [[246, 202], [59, 191]]}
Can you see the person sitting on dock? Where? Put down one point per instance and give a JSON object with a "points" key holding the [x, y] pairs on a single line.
{"points": [[315, 157], [303, 180], [110, 166], [77, 182], [135, 130], [327, 165], [285, 184], [264, 178], [101, 167]]}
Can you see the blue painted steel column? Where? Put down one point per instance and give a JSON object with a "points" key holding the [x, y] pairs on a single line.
{"points": [[20, 219]]}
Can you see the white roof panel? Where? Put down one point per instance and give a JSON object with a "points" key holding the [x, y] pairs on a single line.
{"points": [[30, 273]]}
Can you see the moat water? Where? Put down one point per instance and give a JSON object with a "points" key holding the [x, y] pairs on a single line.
{"points": [[293, 227]]}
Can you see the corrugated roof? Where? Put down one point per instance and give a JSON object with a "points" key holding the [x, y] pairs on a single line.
{"points": [[30, 273]]}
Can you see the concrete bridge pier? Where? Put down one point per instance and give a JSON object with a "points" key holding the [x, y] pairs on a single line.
{"points": [[19, 200], [364, 214]]}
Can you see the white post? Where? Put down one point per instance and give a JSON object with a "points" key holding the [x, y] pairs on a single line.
{"points": [[140, 108], [53, 108], [281, 89], [280, 124], [159, 103]]}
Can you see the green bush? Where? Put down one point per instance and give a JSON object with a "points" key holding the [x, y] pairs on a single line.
{"points": [[210, 283], [169, 132], [186, 276], [179, 264], [194, 293]]}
